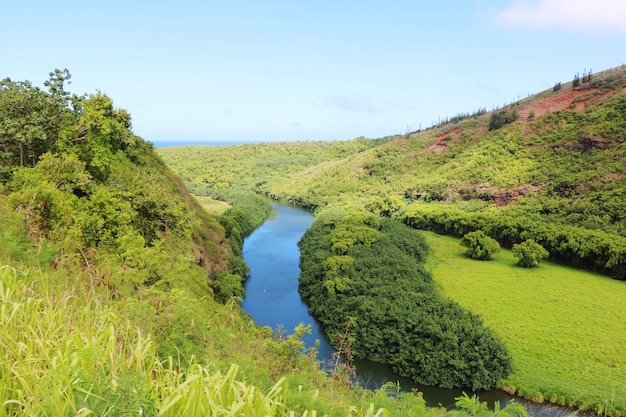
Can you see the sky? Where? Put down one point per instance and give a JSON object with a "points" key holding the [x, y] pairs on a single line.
{"points": [[191, 71]]}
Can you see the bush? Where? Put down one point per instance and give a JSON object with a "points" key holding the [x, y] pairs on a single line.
{"points": [[530, 253], [479, 245], [572, 245], [501, 118]]}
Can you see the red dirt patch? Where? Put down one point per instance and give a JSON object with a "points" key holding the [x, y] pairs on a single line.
{"points": [[561, 101], [438, 146], [452, 132], [402, 139], [503, 197]]}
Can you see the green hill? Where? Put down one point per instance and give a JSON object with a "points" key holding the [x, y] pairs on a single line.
{"points": [[559, 162], [548, 168], [119, 293]]}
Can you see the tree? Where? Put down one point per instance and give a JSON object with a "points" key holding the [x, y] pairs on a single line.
{"points": [[530, 253], [501, 118], [25, 123], [479, 245], [32, 120], [102, 131]]}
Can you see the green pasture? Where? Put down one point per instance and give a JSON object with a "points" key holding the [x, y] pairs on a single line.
{"points": [[565, 328], [214, 207]]}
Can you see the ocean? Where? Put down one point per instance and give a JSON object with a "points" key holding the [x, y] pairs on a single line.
{"points": [[166, 143]]}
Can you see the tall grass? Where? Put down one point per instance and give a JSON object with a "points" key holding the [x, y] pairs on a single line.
{"points": [[564, 328], [72, 355], [69, 353]]}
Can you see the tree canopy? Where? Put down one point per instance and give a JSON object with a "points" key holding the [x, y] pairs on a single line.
{"points": [[368, 271]]}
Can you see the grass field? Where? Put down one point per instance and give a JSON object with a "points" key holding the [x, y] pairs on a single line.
{"points": [[214, 207], [565, 328]]}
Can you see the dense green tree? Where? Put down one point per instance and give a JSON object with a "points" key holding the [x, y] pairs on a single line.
{"points": [[33, 121], [529, 253], [479, 246], [102, 132], [398, 316], [502, 117], [573, 245], [82, 180]]}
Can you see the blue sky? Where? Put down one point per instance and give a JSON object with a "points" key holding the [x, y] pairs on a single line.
{"points": [[192, 71]]}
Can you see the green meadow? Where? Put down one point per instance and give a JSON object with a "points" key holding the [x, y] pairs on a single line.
{"points": [[214, 207], [565, 328]]}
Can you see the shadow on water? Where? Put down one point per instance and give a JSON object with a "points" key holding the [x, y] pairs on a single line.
{"points": [[273, 300]]}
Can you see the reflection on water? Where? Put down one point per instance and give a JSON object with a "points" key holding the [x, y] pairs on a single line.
{"points": [[273, 300]]}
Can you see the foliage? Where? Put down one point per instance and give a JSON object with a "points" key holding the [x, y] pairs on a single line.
{"points": [[226, 285], [99, 192], [87, 359], [33, 120], [593, 249], [502, 117], [474, 407], [122, 314], [385, 206], [251, 166], [249, 209], [479, 246], [378, 280], [529, 253]]}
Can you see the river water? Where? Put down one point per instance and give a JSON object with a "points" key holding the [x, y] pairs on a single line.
{"points": [[272, 299]]}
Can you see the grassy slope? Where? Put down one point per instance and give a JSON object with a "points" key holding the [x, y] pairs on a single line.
{"points": [[68, 351], [564, 327]]}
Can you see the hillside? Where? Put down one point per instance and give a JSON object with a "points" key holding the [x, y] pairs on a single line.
{"points": [[119, 294], [548, 168], [564, 151], [560, 161]]}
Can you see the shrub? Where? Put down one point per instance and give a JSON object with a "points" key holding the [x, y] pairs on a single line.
{"points": [[530, 253], [479, 245], [501, 118]]}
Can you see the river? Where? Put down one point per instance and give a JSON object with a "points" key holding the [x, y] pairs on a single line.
{"points": [[272, 299]]}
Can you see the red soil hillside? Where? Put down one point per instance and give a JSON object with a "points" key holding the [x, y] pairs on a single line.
{"points": [[562, 101], [438, 146]]}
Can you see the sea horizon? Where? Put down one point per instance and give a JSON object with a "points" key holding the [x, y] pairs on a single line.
{"points": [[171, 143]]}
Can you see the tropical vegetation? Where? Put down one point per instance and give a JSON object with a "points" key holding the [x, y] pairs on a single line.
{"points": [[479, 246], [366, 276], [548, 169], [119, 293]]}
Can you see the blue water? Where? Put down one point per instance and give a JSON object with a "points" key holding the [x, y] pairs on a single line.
{"points": [[273, 256]]}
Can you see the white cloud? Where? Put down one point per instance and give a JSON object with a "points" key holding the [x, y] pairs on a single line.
{"points": [[599, 16], [355, 103]]}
